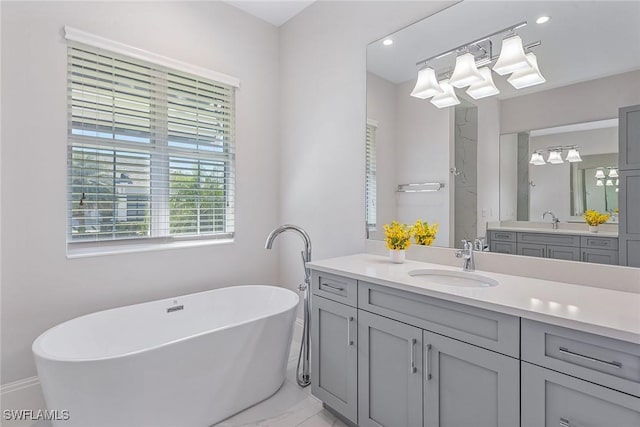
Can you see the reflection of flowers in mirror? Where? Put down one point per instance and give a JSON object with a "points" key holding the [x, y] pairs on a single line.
{"points": [[423, 233]]}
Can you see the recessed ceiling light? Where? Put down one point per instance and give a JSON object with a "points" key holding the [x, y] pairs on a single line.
{"points": [[542, 19], [387, 42]]}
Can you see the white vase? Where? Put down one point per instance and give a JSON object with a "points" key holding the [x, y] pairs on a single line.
{"points": [[397, 256], [593, 229]]}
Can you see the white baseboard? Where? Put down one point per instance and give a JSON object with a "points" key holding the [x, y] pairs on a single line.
{"points": [[22, 394]]}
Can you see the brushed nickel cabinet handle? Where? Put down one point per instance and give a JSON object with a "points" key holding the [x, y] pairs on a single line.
{"points": [[612, 364], [349, 340], [412, 356], [428, 357], [336, 287]]}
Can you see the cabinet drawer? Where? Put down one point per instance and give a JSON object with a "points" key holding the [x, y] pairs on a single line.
{"points": [[499, 247], [504, 236], [552, 399], [610, 243], [602, 360], [563, 252], [549, 239], [494, 331], [336, 288]]}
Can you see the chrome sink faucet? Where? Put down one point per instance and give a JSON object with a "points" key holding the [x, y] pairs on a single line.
{"points": [[554, 219], [466, 254]]}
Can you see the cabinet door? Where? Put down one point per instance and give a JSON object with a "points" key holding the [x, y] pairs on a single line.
{"points": [[629, 227], [532, 249], [629, 136], [600, 256], [389, 372], [503, 247], [550, 398], [468, 386], [563, 252], [334, 356]]}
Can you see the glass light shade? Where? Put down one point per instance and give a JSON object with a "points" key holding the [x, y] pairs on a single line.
{"points": [[528, 77], [555, 157], [465, 73], [613, 173], [537, 159], [427, 84], [600, 174], [617, 182], [484, 88], [448, 96], [512, 57], [599, 183], [609, 183], [573, 156], [617, 189]]}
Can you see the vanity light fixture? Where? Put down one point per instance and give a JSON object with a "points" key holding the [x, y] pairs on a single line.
{"points": [[528, 77], [512, 57], [573, 156], [448, 96], [484, 88], [600, 174], [537, 159], [427, 84], [613, 173], [465, 73], [555, 157], [609, 183], [599, 183]]}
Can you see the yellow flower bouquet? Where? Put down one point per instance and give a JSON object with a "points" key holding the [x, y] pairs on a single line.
{"points": [[423, 233], [397, 236], [595, 218]]}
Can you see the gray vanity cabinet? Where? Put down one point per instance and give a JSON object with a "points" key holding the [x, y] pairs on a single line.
{"points": [[465, 385], [390, 372], [334, 356], [532, 249], [550, 398], [629, 194]]}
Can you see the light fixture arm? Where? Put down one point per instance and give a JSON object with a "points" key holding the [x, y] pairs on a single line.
{"points": [[456, 49]]}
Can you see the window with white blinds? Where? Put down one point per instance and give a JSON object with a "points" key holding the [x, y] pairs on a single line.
{"points": [[150, 150], [370, 183]]}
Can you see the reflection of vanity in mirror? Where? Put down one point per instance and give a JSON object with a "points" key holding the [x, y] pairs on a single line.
{"points": [[489, 168]]}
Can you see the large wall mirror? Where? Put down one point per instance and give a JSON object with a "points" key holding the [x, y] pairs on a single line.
{"points": [[464, 158]]}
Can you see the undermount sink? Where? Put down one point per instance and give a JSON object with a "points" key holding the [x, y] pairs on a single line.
{"points": [[453, 278]]}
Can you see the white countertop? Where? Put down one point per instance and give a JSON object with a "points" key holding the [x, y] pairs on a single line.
{"points": [[606, 230], [605, 312]]}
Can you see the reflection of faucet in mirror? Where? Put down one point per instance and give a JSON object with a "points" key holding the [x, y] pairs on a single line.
{"points": [[467, 255], [554, 220]]}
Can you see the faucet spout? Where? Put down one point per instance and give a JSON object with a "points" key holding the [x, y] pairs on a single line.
{"points": [[554, 219], [468, 263], [306, 254]]}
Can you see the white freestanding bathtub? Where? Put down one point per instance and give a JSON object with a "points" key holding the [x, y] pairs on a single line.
{"points": [[189, 361]]}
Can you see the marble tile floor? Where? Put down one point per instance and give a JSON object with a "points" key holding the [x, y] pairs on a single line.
{"points": [[290, 406]]}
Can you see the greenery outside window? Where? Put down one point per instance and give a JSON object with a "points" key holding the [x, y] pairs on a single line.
{"points": [[150, 151]]}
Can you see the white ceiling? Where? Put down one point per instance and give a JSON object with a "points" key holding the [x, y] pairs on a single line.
{"points": [[272, 11], [582, 41]]}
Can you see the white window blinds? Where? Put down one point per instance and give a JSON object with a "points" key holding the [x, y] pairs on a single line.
{"points": [[150, 150], [370, 183]]}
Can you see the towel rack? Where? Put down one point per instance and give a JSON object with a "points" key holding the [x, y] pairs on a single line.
{"points": [[425, 187]]}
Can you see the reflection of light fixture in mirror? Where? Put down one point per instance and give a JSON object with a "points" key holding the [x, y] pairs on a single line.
{"points": [[609, 183], [613, 173], [484, 88], [427, 84], [555, 157], [617, 189], [573, 156], [617, 182], [537, 159], [512, 57], [448, 96], [528, 77], [599, 183], [465, 73], [600, 174]]}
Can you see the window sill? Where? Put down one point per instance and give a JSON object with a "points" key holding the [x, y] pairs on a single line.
{"points": [[73, 253]]}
